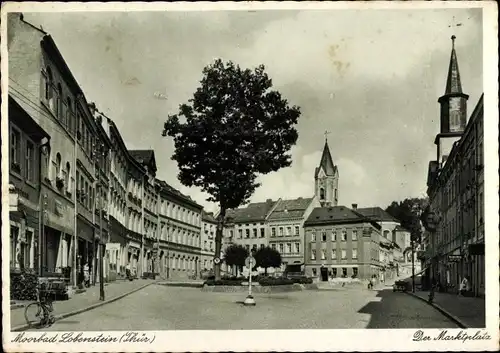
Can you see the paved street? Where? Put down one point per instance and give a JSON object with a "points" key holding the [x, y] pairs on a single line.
{"points": [[172, 308]]}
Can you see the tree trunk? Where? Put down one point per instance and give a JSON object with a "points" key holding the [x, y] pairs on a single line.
{"points": [[218, 241], [265, 271]]}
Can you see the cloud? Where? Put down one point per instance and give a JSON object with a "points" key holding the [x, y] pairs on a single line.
{"points": [[373, 85]]}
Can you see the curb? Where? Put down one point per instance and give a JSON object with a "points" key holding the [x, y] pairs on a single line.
{"points": [[82, 310], [446, 313]]}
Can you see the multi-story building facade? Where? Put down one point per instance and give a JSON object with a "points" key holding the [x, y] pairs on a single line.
{"points": [[43, 86], [180, 233], [454, 238], [149, 206], [249, 224], [207, 242], [117, 246], [27, 142], [341, 242], [286, 224]]}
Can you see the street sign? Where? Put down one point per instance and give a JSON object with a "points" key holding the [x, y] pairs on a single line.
{"points": [[216, 260], [454, 258], [250, 262]]}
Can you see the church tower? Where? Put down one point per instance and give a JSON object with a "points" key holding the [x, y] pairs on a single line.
{"points": [[453, 110], [326, 178]]}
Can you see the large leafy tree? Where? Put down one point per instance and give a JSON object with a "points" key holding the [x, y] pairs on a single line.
{"points": [[233, 129], [267, 257], [409, 212], [235, 255]]}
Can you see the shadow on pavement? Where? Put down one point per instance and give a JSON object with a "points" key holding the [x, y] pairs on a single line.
{"points": [[385, 313]]}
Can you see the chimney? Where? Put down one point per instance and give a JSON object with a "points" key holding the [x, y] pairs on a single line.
{"points": [[92, 108], [354, 206]]}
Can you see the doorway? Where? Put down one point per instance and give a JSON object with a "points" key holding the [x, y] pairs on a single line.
{"points": [[324, 274]]}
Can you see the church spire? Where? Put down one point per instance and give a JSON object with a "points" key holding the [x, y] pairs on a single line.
{"points": [[453, 84], [454, 101], [326, 159]]}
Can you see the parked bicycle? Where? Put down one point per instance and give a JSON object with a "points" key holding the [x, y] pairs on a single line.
{"points": [[39, 313]]}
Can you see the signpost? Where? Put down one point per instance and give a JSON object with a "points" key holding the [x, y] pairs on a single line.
{"points": [[249, 263]]}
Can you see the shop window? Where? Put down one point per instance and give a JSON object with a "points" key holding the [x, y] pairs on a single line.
{"points": [[344, 272]]}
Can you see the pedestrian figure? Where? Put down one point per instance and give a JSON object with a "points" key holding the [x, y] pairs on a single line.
{"points": [[128, 274], [86, 275], [464, 286]]}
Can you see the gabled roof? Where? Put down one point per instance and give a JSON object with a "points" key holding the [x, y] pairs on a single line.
{"points": [[253, 212], [376, 214], [336, 215], [145, 158], [326, 162], [173, 191], [208, 216], [290, 208]]}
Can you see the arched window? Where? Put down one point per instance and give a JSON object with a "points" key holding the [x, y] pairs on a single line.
{"points": [[58, 107], [49, 94], [67, 177], [69, 114], [58, 165], [321, 194]]}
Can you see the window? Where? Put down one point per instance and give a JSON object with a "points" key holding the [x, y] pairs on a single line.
{"points": [[30, 161], [281, 247], [321, 194], [313, 254], [344, 235], [313, 236], [334, 235], [323, 237], [211, 245], [15, 150], [354, 235], [240, 233], [273, 232], [281, 232], [386, 234], [67, 177], [336, 195], [288, 231], [273, 246], [248, 248], [334, 272], [344, 254], [354, 272], [354, 254], [231, 233], [344, 272], [247, 233], [262, 233], [58, 165], [254, 247], [262, 246], [255, 232], [58, 107], [323, 254], [315, 273], [297, 230], [289, 248], [334, 254], [297, 248], [14, 236], [205, 245], [49, 94]]}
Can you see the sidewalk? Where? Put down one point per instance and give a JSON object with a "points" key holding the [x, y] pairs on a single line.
{"points": [[84, 301], [468, 312]]}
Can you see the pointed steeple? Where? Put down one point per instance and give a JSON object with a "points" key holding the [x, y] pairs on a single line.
{"points": [[326, 161], [453, 84], [454, 101]]}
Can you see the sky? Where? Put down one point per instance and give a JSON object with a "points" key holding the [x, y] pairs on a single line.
{"points": [[370, 77]]}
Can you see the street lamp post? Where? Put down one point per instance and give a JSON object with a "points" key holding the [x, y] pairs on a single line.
{"points": [[99, 153]]}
